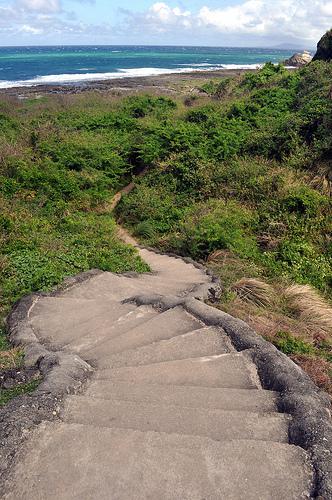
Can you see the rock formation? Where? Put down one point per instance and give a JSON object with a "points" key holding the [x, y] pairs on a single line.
{"points": [[299, 59], [324, 48]]}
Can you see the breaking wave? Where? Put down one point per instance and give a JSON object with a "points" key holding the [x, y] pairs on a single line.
{"points": [[69, 78]]}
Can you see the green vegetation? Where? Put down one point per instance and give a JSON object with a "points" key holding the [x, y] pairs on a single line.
{"points": [[239, 177], [290, 345], [18, 390], [246, 170]]}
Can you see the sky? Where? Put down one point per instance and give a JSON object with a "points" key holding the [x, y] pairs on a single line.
{"points": [[251, 23]]}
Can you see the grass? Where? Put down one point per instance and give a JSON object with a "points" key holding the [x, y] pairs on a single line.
{"points": [[9, 357], [7, 394], [254, 291], [309, 306]]}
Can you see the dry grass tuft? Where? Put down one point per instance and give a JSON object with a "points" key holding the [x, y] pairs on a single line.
{"points": [[309, 306], [254, 291], [323, 179], [218, 256], [9, 359]]}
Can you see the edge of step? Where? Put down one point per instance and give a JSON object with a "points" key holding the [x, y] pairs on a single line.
{"points": [[201, 371], [189, 396], [205, 341], [215, 423]]}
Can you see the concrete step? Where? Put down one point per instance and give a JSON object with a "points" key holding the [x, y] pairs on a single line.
{"points": [[62, 320], [167, 280], [225, 370], [206, 341], [213, 423], [252, 400], [96, 338], [109, 286], [166, 325], [171, 266], [105, 464]]}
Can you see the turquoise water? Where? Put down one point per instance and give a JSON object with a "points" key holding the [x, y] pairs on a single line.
{"points": [[67, 64]]}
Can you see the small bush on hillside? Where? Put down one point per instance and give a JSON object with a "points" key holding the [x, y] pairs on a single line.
{"points": [[291, 345], [260, 78], [160, 207], [305, 201], [145, 230], [217, 225], [300, 261], [141, 106]]}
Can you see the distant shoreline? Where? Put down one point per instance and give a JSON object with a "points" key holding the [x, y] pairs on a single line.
{"points": [[161, 83]]}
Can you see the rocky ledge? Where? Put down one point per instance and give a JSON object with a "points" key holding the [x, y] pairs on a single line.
{"points": [[299, 59]]}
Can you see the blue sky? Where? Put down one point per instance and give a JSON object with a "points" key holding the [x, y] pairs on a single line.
{"points": [[211, 22]]}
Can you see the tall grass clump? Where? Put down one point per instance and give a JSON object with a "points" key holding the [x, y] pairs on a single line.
{"points": [[306, 304]]}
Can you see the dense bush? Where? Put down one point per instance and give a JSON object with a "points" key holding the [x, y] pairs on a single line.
{"points": [[217, 225]]}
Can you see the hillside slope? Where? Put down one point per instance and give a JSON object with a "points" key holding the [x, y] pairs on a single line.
{"points": [[239, 177]]}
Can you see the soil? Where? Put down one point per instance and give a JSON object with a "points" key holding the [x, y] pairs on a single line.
{"points": [[17, 376]]}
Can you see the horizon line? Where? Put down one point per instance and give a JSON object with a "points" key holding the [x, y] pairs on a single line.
{"points": [[294, 47]]}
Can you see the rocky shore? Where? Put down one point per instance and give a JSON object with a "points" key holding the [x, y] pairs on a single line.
{"points": [[165, 84]]}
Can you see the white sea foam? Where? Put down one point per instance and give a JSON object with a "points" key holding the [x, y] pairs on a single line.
{"points": [[122, 73]]}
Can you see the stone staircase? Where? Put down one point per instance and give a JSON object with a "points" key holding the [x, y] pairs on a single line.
{"points": [[172, 410]]}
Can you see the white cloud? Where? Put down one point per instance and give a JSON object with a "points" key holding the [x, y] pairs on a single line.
{"points": [[280, 19], [159, 18], [26, 19], [291, 18], [326, 9], [245, 17], [30, 29], [162, 12], [40, 5], [249, 22]]}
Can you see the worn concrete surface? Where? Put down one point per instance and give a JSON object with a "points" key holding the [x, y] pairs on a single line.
{"points": [[172, 409]]}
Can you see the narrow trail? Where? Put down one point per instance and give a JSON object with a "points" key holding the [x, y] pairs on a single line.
{"points": [[172, 410]]}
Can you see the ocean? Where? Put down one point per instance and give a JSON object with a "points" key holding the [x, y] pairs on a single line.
{"points": [[28, 66]]}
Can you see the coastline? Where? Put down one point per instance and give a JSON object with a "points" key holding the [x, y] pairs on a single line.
{"points": [[169, 83]]}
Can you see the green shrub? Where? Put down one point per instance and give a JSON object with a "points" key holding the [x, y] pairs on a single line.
{"points": [[288, 344], [262, 77], [305, 201], [145, 229], [141, 106], [301, 261], [218, 225]]}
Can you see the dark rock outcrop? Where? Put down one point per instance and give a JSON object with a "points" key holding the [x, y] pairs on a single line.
{"points": [[324, 48]]}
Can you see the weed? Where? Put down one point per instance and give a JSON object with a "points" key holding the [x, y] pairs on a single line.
{"points": [[8, 394], [291, 345]]}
